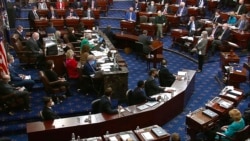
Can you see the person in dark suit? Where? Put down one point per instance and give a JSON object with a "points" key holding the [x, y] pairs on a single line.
{"points": [[7, 89], [71, 34], [151, 87], [88, 13], [193, 26], [137, 6], [18, 80], [151, 8], [182, 12], [50, 29], [163, 2], [130, 15], [19, 31], [166, 78], [77, 4], [109, 33], [47, 112], [242, 24], [71, 13], [146, 41], [139, 95], [166, 9], [216, 18], [200, 48], [34, 46], [32, 16], [105, 105], [202, 5], [52, 14], [215, 31], [224, 36], [240, 8], [53, 77]]}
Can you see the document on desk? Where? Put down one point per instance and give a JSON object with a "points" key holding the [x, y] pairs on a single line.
{"points": [[98, 53], [152, 103], [113, 138], [147, 136], [234, 92], [143, 107], [230, 95], [225, 104], [125, 137]]}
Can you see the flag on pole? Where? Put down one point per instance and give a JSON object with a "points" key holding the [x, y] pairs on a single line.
{"points": [[3, 58]]}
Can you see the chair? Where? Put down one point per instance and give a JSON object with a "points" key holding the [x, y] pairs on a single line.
{"points": [[138, 49], [151, 19], [50, 88], [10, 102], [25, 57], [129, 97], [241, 135], [157, 58], [95, 106], [103, 5], [41, 115]]}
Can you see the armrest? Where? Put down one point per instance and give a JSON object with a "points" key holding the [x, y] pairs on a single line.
{"points": [[222, 135], [54, 82], [5, 97]]}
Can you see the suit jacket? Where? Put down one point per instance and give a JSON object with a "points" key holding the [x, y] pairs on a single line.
{"points": [[88, 69], [50, 29], [204, 3], [58, 5], [217, 32], [244, 25], [85, 14], [197, 26], [151, 87], [139, 96], [32, 45], [31, 16], [151, 8], [13, 74], [216, 19], [166, 10], [133, 16], [105, 106], [137, 6], [145, 40], [49, 114], [201, 46], [184, 12], [243, 9], [166, 78], [21, 37], [50, 14], [163, 2], [6, 89], [226, 34], [77, 5], [73, 14]]}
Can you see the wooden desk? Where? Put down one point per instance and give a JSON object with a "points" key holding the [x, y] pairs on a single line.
{"points": [[235, 98], [237, 77], [176, 34], [42, 13], [59, 63], [61, 12], [226, 58], [149, 130], [121, 136], [58, 23], [173, 20], [212, 5], [72, 23], [241, 38], [61, 129], [174, 7], [88, 23], [151, 28], [214, 105], [127, 26], [198, 122], [41, 24]]}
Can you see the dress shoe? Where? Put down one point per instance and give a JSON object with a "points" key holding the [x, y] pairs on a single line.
{"points": [[10, 113], [198, 70]]}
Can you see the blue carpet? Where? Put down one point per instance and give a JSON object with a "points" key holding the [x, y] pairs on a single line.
{"points": [[206, 86]]}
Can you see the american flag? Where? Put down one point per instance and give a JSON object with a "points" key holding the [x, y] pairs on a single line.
{"points": [[3, 59]]}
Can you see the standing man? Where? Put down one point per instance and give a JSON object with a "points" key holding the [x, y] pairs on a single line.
{"points": [[151, 86], [166, 78], [146, 41], [130, 15], [160, 21], [32, 16], [48, 113]]}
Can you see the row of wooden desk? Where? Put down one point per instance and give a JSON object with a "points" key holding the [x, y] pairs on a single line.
{"points": [[61, 129], [197, 121]]}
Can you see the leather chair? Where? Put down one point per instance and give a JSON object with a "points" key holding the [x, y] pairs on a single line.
{"points": [[95, 106], [56, 93], [138, 49], [11, 102], [241, 135], [25, 57], [129, 97], [103, 4]]}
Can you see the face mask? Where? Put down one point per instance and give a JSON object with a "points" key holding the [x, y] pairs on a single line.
{"points": [[92, 62], [52, 103]]}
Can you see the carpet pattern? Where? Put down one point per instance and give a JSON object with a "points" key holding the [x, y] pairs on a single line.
{"points": [[206, 86]]}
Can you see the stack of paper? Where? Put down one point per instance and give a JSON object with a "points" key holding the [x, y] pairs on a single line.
{"points": [[147, 136], [125, 137], [225, 104], [152, 103], [113, 138], [143, 107]]}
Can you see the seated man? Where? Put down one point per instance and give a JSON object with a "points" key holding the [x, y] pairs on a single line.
{"points": [[160, 21], [19, 80], [240, 8], [139, 95], [71, 14], [151, 7], [146, 41], [193, 26], [223, 36], [105, 105], [242, 24], [182, 12], [130, 15], [151, 86], [166, 78], [53, 77], [7, 89], [88, 13], [48, 113]]}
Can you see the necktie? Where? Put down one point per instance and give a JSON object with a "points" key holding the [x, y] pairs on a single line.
{"points": [[222, 34], [181, 11], [201, 3], [92, 5], [88, 14], [130, 16], [35, 14], [212, 35], [241, 25]]}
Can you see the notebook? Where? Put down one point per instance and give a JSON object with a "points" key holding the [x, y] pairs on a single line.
{"points": [[143, 107], [209, 113], [159, 132], [147, 136]]}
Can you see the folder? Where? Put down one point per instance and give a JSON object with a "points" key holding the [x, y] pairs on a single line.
{"points": [[159, 132], [209, 113]]}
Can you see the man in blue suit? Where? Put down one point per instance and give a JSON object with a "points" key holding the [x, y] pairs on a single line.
{"points": [[130, 15], [18, 80], [71, 13], [182, 12]]}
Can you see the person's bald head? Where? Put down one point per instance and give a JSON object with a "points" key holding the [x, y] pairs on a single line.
{"points": [[35, 36], [91, 58]]}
